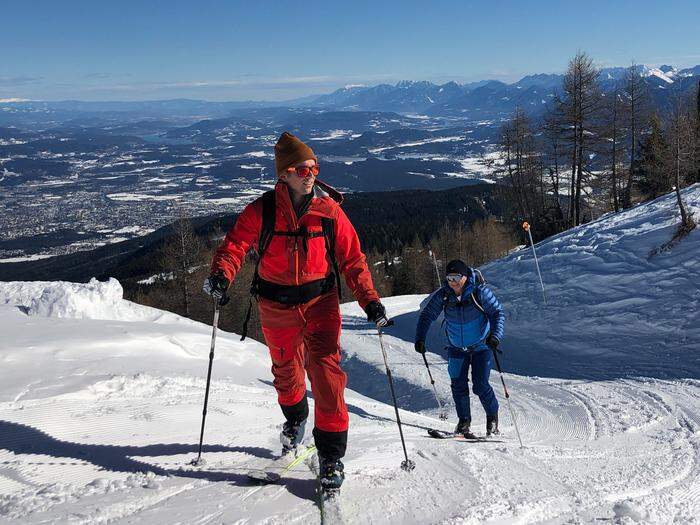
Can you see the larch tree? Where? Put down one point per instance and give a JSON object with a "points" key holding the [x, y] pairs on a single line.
{"points": [[579, 106]]}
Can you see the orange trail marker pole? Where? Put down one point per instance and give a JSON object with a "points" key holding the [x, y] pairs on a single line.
{"points": [[526, 227]]}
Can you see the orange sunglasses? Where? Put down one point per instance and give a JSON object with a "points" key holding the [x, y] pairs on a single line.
{"points": [[304, 171]]}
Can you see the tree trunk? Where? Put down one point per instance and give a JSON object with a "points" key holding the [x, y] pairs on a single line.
{"points": [[572, 187], [184, 258], [684, 214], [615, 198], [579, 178]]}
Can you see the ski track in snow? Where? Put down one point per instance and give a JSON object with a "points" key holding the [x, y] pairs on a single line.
{"points": [[100, 403]]}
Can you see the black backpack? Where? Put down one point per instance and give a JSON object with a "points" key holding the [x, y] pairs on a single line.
{"points": [[267, 232]]}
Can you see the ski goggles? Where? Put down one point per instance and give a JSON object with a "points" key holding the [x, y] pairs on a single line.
{"points": [[304, 171], [454, 277]]}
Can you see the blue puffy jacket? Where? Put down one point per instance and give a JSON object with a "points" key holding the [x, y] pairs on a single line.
{"points": [[465, 323]]}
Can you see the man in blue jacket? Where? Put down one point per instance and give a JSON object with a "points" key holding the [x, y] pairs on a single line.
{"points": [[474, 325]]}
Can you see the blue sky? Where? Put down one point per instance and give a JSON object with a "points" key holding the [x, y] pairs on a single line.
{"points": [[265, 50]]}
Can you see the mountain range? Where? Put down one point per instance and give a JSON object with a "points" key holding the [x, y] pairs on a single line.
{"points": [[486, 99]]}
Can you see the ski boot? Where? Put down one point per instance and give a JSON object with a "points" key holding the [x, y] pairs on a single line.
{"points": [[491, 425], [331, 475], [463, 428], [291, 435]]}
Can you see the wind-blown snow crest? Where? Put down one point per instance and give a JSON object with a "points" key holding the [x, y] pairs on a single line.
{"points": [[94, 300]]}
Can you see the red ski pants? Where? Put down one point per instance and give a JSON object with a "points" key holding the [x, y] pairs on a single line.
{"points": [[307, 337]]}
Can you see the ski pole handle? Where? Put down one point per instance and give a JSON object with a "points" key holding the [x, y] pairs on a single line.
{"points": [[498, 366]]}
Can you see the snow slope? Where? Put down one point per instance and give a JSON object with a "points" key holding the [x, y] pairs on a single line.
{"points": [[100, 401]]}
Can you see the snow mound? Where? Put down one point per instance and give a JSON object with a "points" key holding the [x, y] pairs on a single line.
{"points": [[93, 300], [628, 509]]}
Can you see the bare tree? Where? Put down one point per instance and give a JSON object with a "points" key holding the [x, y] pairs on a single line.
{"points": [[554, 146], [523, 164], [637, 109], [414, 273], [680, 131], [182, 254], [613, 144], [579, 107]]}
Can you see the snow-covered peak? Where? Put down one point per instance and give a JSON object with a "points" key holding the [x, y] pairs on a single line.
{"points": [[406, 84], [665, 73]]}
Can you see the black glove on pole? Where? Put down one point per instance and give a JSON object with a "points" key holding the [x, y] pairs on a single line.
{"points": [[376, 313], [492, 342], [216, 286]]}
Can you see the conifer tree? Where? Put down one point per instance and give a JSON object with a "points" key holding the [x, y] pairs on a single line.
{"points": [[652, 170]]}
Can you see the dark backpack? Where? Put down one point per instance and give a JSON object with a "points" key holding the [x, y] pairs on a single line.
{"points": [[267, 232]]}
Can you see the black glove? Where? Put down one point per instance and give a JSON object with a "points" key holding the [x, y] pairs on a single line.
{"points": [[376, 313], [492, 342], [216, 285], [420, 347]]}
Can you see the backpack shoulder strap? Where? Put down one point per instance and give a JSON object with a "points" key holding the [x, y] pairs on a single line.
{"points": [[267, 230], [480, 281], [268, 222], [476, 302], [328, 226]]}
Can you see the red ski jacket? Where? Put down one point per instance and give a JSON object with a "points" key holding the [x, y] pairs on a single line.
{"points": [[289, 261]]}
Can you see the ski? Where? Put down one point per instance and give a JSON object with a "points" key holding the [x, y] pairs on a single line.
{"points": [[273, 472], [442, 434], [328, 500]]}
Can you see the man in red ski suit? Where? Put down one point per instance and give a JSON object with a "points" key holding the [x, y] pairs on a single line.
{"points": [[298, 296]]}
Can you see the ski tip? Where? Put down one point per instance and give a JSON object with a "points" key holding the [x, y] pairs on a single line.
{"points": [[330, 494], [439, 434], [263, 477]]}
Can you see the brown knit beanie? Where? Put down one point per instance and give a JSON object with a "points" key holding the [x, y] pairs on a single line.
{"points": [[290, 151]]}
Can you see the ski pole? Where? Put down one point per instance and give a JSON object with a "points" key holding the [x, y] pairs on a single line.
{"points": [[526, 227], [443, 414], [407, 464], [505, 390], [215, 324], [437, 271]]}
